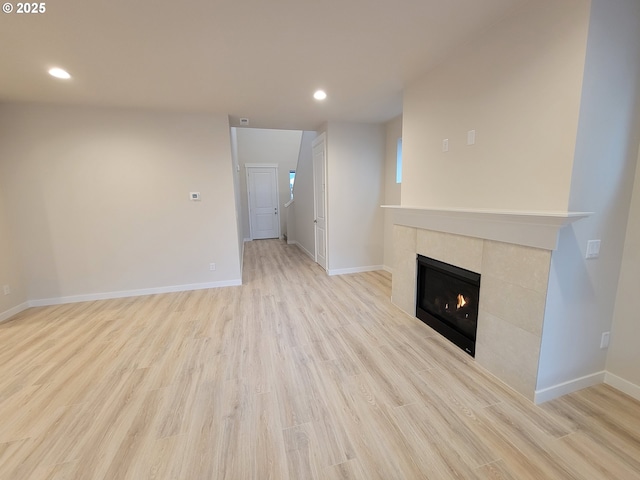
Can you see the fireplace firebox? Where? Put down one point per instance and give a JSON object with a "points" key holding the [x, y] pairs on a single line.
{"points": [[447, 300]]}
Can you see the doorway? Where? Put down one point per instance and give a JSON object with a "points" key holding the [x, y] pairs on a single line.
{"points": [[263, 195]]}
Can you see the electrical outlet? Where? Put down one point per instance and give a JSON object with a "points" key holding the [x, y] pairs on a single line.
{"points": [[445, 145], [604, 341], [7, 290], [212, 267]]}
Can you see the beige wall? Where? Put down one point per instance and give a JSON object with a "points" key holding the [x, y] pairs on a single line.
{"points": [[237, 174], [582, 293], [518, 85], [355, 186], [624, 357], [278, 147], [100, 198], [11, 273], [393, 130], [303, 211]]}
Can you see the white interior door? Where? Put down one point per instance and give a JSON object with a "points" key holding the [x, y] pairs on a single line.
{"points": [[262, 189], [320, 199]]}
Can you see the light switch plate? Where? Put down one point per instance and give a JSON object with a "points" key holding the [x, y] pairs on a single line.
{"points": [[471, 137], [593, 249]]}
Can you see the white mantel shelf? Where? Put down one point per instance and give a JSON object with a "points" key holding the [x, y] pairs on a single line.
{"points": [[532, 229]]}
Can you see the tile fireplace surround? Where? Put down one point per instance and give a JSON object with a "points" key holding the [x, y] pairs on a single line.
{"points": [[512, 251]]}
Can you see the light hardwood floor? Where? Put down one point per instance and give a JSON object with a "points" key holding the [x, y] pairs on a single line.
{"points": [[294, 375]]}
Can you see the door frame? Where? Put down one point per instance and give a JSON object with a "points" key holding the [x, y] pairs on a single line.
{"points": [[321, 139], [247, 168]]}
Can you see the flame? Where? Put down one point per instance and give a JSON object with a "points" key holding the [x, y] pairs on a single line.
{"points": [[461, 301]]}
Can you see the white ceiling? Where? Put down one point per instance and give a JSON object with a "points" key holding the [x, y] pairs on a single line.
{"points": [[260, 59]]}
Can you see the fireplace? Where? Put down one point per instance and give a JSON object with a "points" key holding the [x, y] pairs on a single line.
{"points": [[447, 300]]}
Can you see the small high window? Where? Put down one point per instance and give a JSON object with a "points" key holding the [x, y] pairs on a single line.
{"points": [[292, 177], [399, 161]]}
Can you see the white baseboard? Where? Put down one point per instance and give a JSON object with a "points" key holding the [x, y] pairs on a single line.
{"points": [[246, 240], [387, 269], [346, 271], [132, 293], [623, 385], [556, 391], [13, 311]]}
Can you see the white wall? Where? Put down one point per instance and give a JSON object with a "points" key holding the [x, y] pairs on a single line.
{"points": [[237, 173], [623, 359], [10, 263], [303, 211], [392, 190], [100, 199], [355, 190], [582, 292], [280, 147], [518, 85]]}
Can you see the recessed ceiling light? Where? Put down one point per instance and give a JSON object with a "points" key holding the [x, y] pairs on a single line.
{"points": [[59, 73], [320, 95]]}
